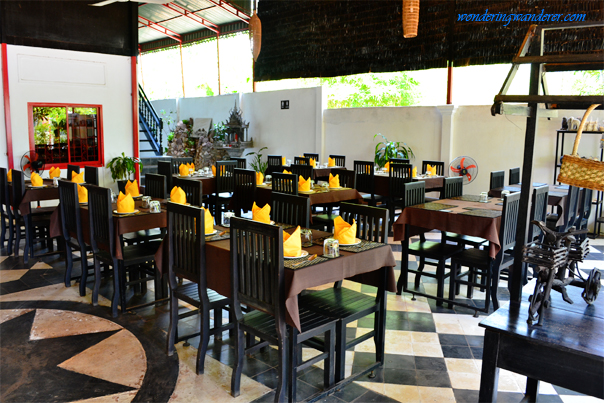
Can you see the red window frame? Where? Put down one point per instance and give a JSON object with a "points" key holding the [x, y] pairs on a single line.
{"points": [[63, 165]]}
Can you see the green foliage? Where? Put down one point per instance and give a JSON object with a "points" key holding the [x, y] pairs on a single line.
{"points": [[48, 122], [589, 82], [220, 131], [384, 150], [122, 167], [257, 163]]}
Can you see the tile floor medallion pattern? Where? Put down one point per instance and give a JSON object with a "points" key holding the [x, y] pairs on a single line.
{"points": [[56, 347]]}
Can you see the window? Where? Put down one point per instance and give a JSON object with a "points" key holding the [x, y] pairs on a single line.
{"points": [[67, 134]]}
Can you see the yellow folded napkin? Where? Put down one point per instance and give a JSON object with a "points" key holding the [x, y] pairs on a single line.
{"points": [[303, 184], [292, 244], [313, 163], [344, 232], [285, 171], [183, 170], [261, 214], [177, 195], [433, 171], [283, 161], [77, 178], [191, 166], [259, 178], [213, 170], [331, 162], [83, 194], [334, 181], [9, 175], [36, 180], [387, 166], [414, 174], [208, 221], [125, 204], [132, 189], [54, 172]]}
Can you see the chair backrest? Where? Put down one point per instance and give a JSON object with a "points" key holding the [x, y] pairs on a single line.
{"points": [[347, 177], [514, 176], [570, 209], [241, 162], [4, 197], [301, 160], [304, 171], [399, 161], [313, 156], [70, 210], [165, 168], [18, 191], [100, 219], [291, 209], [91, 175], [585, 207], [176, 162], [257, 274], [285, 183], [193, 190], [538, 208], [509, 223], [244, 193], [186, 245], [399, 174], [372, 222], [71, 169], [440, 167], [155, 186], [121, 186], [225, 176], [415, 193], [274, 160], [365, 176], [497, 179], [339, 160], [453, 187]]}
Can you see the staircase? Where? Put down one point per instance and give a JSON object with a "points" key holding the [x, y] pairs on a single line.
{"points": [[150, 127]]}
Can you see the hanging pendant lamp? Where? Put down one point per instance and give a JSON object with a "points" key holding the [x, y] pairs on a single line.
{"points": [[410, 18], [255, 27]]}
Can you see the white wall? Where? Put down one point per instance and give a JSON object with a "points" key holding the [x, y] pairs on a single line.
{"points": [[59, 76]]}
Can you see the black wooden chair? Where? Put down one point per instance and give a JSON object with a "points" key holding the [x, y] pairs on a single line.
{"points": [[136, 259], [6, 214], [430, 252], [71, 169], [313, 156], [347, 305], [71, 226], [241, 162], [285, 183], [290, 209], [257, 252], [155, 186], [193, 190], [339, 160], [481, 264], [165, 168], [301, 161], [570, 212], [176, 162], [497, 179], [275, 164], [187, 260], [538, 210], [325, 219], [305, 171], [453, 187], [399, 161], [514, 178], [225, 185], [347, 177], [399, 174], [91, 175], [121, 186], [244, 192], [440, 167], [365, 181]]}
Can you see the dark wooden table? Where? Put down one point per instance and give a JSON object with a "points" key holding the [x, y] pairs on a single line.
{"points": [[48, 192], [568, 350], [318, 196], [382, 183], [556, 198]]}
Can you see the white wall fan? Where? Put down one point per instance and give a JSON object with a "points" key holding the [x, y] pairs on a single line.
{"points": [[465, 167], [104, 3]]}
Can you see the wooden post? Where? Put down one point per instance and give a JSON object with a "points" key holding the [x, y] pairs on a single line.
{"points": [[182, 73], [218, 60], [450, 83]]}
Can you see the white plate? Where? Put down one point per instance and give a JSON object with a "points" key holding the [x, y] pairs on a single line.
{"points": [[137, 197], [446, 211], [306, 192], [302, 254], [339, 187], [132, 212], [84, 204], [37, 187], [212, 233], [358, 241]]}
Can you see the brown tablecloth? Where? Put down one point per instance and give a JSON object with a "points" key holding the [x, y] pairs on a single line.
{"points": [[33, 195], [423, 220], [557, 196], [323, 172], [382, 183], [121, 224], [362, 267], [263, 196]]}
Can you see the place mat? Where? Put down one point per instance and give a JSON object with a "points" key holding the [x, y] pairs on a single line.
{"points": [[364, 245], [299, 263], [284, 226], [434, 206], [470, 198], [482, 213], [319, 241], [218, 237]]}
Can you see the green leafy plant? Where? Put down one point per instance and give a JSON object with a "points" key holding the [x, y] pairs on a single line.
{"points": [[257, 163], [123, 166], [220, 131], [384, 150]]}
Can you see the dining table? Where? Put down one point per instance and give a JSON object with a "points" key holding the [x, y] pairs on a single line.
{"points": [[317, 195], [382, 183], [35, 194]]}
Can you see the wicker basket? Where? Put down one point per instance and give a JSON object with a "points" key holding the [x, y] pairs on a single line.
{"points": [[581, 172], [410, 18]]}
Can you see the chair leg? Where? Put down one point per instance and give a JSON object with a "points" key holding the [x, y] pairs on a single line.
{"points": [[329, 363], [11, 236], [280, 393], [440, 278], [173, 327], [204, 338], [471, 279], [404, 276], [217, 323], [97, 282], [116, 288], [18, 237], [121, 275], [340, 366], [494, 286], [292, 368], [3, 229], [68, 264], [452, 283], [239, 353], [28, 237], [420, 269]]}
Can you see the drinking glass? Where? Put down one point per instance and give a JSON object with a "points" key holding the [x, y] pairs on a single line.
{"points": [[306, 236], [146, 200], [226, 218], [155, 207], [484, 197], [268, 178], [289, 163]]}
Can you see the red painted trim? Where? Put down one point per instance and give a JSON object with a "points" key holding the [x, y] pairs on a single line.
{"points": [[181, 11], [154, 25], [7, 119], [135, 140], [450, 84]]}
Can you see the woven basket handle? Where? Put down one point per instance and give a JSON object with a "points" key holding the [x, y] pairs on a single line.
{"points": [[581, 126]]}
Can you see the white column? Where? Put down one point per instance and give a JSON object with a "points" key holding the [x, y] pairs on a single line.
{"points": [[446, 137]]}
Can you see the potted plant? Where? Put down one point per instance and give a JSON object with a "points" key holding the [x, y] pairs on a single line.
{"points": [[257, 163], [122, 167], [384, 150], [220, 133]]}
